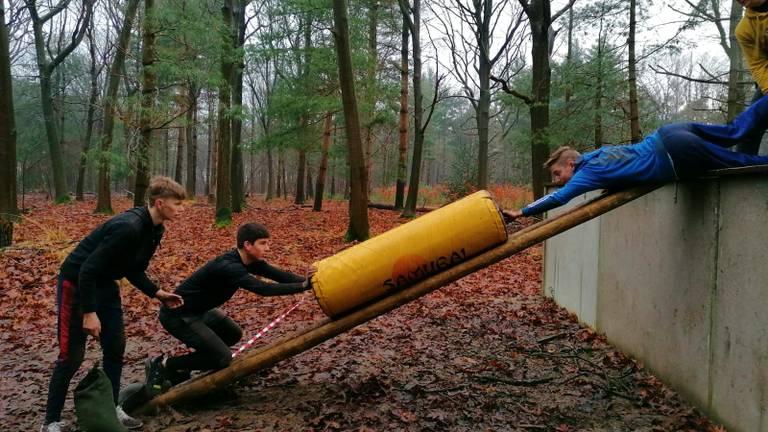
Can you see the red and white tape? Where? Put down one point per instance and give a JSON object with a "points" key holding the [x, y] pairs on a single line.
{"points": [[269, 326]]}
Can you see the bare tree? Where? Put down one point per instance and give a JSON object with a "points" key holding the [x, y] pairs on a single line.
{"points": [[709, 11], [412, 16], [104, 200], [471, 27], [95, 71], [46, 67]]}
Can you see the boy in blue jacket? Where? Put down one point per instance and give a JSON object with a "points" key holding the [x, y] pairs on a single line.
{"points": [[674, 152]]}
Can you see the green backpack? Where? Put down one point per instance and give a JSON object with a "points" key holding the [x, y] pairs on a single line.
{"points": [[94, 404]]}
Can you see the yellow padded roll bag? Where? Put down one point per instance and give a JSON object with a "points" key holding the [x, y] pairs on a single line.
{"points": [[408, 253]]}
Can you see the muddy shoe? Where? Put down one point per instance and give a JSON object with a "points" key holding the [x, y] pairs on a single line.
{"points": [[126, 420], [155, 375], [52, 427]]}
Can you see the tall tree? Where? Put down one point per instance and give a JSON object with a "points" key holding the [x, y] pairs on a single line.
{"points": [[709, 12], [598, 105], [104, 199], [412, 14], [181, 136], [358, 177], [474, 58], [223, 176], [403, 120], [95, 71], [321, 174], [148, 95], [238, 182], [190, 130], [732, 49], [369, 102], [8, 208], [540, 19], [634, 110], [46, 67]]}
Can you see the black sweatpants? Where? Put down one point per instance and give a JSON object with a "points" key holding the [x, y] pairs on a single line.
{"points": [[72, 339], [210, 335]]}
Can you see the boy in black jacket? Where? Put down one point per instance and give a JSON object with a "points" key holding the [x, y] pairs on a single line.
{"points": [[88, 297], [200, 324]]}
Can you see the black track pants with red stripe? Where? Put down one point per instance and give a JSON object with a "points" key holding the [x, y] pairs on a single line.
{"points": [[72, 338]]}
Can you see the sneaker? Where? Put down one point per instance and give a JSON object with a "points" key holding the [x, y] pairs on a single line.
{"points": [[52, 427], [155, 375], [126, 420]]}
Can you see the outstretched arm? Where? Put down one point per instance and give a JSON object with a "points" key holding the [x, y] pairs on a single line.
{"points": [[579, 184]]}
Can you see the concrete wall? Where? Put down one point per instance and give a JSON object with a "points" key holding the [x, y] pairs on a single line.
{"points": [[679, 280]]}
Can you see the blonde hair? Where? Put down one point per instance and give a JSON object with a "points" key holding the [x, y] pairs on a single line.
{"points": [[164, 187], [561, 155]]}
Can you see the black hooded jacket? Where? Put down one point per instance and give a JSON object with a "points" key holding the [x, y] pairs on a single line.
{"points": [[119, 248]]}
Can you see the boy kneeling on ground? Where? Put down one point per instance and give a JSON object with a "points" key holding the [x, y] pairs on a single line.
{"points": [[200, 324]]}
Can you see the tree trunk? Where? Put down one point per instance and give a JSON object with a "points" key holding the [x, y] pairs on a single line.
{"points": [[223, 186], [634, 111], [358, 204], [52, 134], [238, 180], [310, 192], [212, 150], [321, 173], [181, 145], [104, 199], [735, 90], [569, 64], [270, 176], [484, 101], [191, 131], [8, 208], [598, 118], [370, 99], [279, 173], [284, 175], [148, 94], [403, 130], [94, 94], [300, 175], [418, 136], [541, 76]]}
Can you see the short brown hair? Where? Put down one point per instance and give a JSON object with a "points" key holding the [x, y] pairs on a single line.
{"points": [[250, 232], [164, 187], [563, 154]]}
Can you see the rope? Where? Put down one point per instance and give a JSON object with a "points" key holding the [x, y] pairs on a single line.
{"points": [[268, 327]]}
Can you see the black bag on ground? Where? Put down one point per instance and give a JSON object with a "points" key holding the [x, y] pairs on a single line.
{"points": [[94, 405]]}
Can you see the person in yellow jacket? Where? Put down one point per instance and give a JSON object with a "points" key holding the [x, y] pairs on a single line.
{"points": [[752, 34]]}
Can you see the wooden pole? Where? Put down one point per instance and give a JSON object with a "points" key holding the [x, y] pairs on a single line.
{"points": [[326, 329]]}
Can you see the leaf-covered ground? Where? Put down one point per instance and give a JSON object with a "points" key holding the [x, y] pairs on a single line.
{"points": [[486, 353]]}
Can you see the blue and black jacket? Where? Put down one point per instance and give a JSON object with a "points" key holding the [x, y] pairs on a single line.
{"points": [[613, 167]]}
